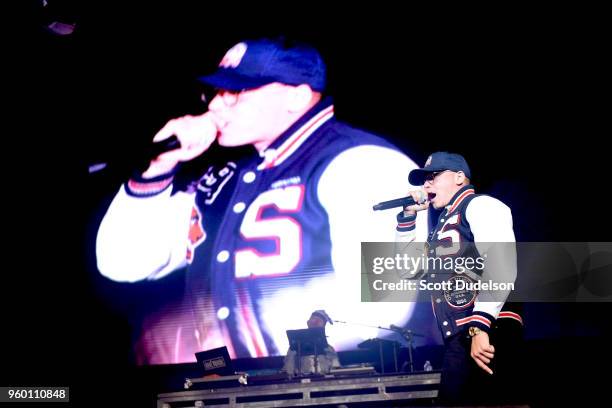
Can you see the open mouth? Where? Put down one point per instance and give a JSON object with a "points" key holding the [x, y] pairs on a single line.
{"points": [[431, 196]]}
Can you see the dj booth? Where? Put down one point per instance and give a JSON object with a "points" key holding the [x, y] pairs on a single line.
{"points": [[339, 388]]}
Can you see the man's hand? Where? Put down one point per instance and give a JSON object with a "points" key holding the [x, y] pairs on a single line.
{"points": [[195, 133], [482, 352], [417, 196]]}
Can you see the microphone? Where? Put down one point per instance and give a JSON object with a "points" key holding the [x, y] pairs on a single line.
{"points": [[400, 202], [403, 330], [155, 149], [163, 146], [150, 153]]}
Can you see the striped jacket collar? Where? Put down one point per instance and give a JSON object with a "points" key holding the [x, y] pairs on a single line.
{"points": [[458, 198], [287, 143]]}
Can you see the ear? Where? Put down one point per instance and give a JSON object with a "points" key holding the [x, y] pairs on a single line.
{"points": [[460, 178], [300, 98]]}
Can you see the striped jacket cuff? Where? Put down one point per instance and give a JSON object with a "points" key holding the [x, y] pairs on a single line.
{"points": [[482, 320], [405, 224], [510, 315], [138, 186]]}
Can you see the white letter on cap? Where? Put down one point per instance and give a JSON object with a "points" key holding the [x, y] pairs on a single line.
{"points": [[233, 56]]}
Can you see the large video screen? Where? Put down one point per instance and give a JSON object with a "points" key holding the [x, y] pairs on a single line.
{"points": [[243, 282], [195, 275]]}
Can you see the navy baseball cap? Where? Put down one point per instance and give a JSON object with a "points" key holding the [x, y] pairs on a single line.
{"points": [[439, 161], [254, 63]]}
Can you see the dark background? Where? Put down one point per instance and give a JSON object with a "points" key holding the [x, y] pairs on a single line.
{"points": [[520, 93]]}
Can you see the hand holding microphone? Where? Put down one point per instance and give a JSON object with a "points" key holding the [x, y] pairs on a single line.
{"points": [[195, 134], [415, 201], [420, 202]]}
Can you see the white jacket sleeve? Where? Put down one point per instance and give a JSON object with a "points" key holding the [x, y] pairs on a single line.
{"points": [[143, 237], [491, 224], [351, 184]]}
